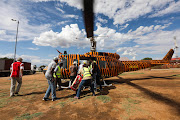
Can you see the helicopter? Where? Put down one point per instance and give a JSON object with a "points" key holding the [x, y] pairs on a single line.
{"points": [[108, 63]]}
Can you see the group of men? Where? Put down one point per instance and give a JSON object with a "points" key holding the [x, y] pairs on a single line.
{"points": [[52, 75], [88, 69]]}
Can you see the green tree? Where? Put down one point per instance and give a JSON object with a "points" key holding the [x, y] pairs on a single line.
{"points": [[147, 58], [5, 58]]}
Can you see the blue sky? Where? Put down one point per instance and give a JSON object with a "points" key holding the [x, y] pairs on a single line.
{"points": [[134, 28]]}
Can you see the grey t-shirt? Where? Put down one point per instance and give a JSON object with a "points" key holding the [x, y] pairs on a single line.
{"points": [[50, 67]]}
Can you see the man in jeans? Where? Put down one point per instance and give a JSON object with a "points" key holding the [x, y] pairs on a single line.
{"points": [[86, 80], [16, 70], [49, 76]]}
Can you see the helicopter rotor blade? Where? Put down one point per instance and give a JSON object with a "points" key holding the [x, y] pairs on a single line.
{"points": [[58, 51], [88, 15]]}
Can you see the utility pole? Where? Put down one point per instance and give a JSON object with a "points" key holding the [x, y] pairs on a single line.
{"points": [[16, 39], [176, 47]]}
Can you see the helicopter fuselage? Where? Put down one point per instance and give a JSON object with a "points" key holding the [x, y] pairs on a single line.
{"points": [[109, 63]]}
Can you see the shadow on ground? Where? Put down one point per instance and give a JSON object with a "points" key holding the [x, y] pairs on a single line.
{"points": [[151, 94]]}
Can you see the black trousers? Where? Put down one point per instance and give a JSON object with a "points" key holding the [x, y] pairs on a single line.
{"points": [[58, 81], [98, 81], [72, 79]]}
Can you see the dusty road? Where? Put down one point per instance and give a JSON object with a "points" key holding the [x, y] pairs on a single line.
{"points": [[139, 95]]}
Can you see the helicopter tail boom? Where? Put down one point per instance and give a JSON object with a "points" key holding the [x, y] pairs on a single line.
{"points": [[169, 55]]}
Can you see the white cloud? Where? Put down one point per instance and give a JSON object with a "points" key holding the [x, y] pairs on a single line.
{"points": [[127, 10], [143, 35], [124, 27], [8, 55], [173, 7], [65, 39], [2, 32], [101, 20], [134, 58], [59, 9], [158, 42], [34, 60], [73, 3], [11, 10], [70, 16], [41, 0], [164, 21], [124, 59], [128, 51], [33, 48], [62, 22], [148, 40]]}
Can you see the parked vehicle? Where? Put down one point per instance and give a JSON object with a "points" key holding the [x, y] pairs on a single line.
{"points": [[5, 67]]}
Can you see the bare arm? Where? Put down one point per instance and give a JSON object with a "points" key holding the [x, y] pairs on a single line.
{"points": [[11, 68], [22, 72], [52, 71], [21, 69]]}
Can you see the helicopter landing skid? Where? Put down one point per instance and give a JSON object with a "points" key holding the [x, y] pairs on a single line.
{"points": [[105, 84], [65, 86]]}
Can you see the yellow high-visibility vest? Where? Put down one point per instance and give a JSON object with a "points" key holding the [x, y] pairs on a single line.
{"points": [[58, 73], [90, 67], [86, 72]]}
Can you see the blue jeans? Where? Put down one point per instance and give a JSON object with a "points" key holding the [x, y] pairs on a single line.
{"points": [[82, 83], [51, 89]]}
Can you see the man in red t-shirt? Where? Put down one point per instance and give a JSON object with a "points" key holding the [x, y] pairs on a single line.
{"points": [[16, 75]]}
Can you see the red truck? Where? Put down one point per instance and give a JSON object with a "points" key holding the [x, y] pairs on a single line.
{"points": [[5, 67]]}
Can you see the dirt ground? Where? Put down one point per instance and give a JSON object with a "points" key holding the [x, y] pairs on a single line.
{"points": [[138, 95]]}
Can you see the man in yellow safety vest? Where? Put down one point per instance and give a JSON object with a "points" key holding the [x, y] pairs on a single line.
{"points": [[87, 79], [57, 75]]}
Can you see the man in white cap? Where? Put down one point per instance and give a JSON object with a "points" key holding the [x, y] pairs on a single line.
{"points": [[49, 76], [16, 70]]}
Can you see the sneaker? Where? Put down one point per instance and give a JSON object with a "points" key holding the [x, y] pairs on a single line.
{"points": [[12, 95], [54, 99], [75, 97], [45, 99]]}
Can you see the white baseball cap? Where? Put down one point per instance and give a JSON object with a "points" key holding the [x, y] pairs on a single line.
{"points": [[55, 58]]}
